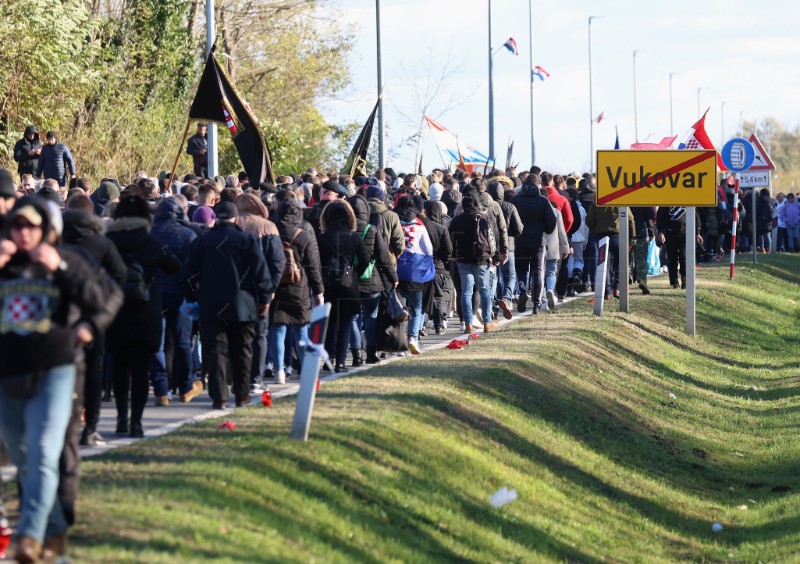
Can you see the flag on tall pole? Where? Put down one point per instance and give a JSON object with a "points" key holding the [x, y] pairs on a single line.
{"points": [[511, 45], [509, 153], [599, 118], [540, 73], [356, 163], [697, 138], [616, 142], [218, 100]]}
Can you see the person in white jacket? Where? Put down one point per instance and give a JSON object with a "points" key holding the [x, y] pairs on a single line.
{"points": [[557, 250]]}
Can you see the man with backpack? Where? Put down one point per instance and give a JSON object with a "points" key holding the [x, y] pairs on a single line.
{"points": [[474, 246], [538, 220]]}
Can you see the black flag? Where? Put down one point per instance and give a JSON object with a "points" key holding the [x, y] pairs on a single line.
{"points": [[217, 100], [356, 163]]}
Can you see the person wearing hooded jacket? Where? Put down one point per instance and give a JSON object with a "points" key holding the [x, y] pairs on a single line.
{"points": [[55, 302], [136, 333], [84, 231], [254, 219], [538, 220], [381, 277], [389, 222], [27, 151], [172, 229], [290, 312], [441, 291], [472, 272], [507, 271], [343, 258]]}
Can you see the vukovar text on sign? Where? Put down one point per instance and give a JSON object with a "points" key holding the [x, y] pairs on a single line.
{"points": [[656, 178]]}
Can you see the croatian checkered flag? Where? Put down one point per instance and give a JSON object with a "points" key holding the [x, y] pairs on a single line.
{"points": [[697, 138]]}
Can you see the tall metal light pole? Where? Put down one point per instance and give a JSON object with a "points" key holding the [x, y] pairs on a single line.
{"points": [[698, 102], [491, 90], [671, 129], [635, 104], [591, 106], [381, 153], [530, 71], [211, 36]]}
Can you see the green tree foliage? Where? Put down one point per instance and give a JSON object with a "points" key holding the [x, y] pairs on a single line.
{"points": [[116, 77], [45, 65]]}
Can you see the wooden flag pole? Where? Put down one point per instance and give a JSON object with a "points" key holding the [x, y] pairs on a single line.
{"points": [[178, 156]]}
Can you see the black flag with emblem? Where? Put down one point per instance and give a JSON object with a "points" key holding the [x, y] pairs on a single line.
{"points": [[218, 100], [356, 163]]}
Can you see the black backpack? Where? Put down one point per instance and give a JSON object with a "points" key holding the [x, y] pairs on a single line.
{"points": [[136, 288], [341, 273], [481, 237]]}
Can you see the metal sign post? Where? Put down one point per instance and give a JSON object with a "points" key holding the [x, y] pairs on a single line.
{"points": [[313, 352], [691, 240], [624, 258], [738, 155], [600, 274], [734, 223]]}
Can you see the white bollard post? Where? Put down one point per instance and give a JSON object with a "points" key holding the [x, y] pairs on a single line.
{"points": [[313, 352], [600, 276]]}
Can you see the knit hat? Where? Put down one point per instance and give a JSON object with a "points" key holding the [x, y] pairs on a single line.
{"points": [[204, 215], [375, 192], [225, 211], [435, 192], [108, 191]]}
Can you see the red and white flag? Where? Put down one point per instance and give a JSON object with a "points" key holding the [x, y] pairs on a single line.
{"points": [[697, 138]]}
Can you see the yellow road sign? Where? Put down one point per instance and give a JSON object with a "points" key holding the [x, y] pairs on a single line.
{"points": [[656, 178]]}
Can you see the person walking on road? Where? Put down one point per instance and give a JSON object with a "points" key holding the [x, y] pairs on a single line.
{"points": [[227, 275]]}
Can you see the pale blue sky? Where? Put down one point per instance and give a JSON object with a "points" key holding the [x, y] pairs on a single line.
{"points": [[743, 53]]}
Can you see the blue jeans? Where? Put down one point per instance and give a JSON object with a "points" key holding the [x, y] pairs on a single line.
{"points": [[415, 316], [508, 277], [472, 275], [550, 274], [355, 331], [793, 238], [277, 342], [179, 330], [34, 430], [369, 308], [158, 367]]}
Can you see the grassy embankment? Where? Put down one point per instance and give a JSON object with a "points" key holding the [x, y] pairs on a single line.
{"points": [[573, 411]]}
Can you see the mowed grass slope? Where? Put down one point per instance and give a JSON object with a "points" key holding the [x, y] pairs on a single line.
{"points": [[573, 411]]}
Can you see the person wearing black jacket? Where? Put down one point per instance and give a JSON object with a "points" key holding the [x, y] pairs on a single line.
{"points": [[290, 312], [441, 291], [227, 275], [53, 301], [136, 333], [85, 231], [197, 146], [55, 160], [27, 151], [643, 218], [507, 270], [382, 276], [340, 247], [671, 226], [538, 220]]}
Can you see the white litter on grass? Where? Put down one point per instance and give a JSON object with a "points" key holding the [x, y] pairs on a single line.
{"points": [[503, 496], [716, 527], [673, 396]]}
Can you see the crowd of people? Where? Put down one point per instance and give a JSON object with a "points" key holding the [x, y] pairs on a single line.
{"points": [[199, 283]]}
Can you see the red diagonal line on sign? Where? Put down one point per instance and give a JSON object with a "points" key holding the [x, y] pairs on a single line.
{"points": [[672, 170]]}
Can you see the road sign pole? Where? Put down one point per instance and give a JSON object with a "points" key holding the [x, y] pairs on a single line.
{"points": [[734, 223], [754, 233], [624, 259], [691, 239], [313, 352], [600, 274]]}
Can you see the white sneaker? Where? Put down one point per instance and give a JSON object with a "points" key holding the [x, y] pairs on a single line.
{"points": [[551, 299], [413, 346], [463, 327], [256, 389], [280, 377]]}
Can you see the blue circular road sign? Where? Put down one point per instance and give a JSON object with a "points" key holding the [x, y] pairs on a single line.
{"points": [[738, 154]]}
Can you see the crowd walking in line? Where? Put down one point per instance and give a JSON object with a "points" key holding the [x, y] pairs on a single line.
{"points": [[112, 290]]}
